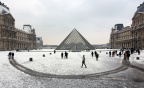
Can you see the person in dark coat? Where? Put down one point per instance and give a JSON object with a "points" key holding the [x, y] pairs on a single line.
{"points": [[109, 53], [113, 53], [128, 54], [54, 51], [120, 54], [92, 54], [62, 55], [138, 52], [125, 55], [97, 56], [116, 52], [9, 55], [83, 61], [95, 53], [12, 55], [67, 55]]}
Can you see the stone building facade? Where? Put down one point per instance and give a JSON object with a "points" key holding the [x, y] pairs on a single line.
{"points": [[25, 40], [138, 27], [121, 38], [12, 38], [39, 43], [130, 37]]}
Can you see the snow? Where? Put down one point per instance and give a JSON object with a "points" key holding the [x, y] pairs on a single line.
{"points": [[10, 77], [54, 64], [140, 62]]}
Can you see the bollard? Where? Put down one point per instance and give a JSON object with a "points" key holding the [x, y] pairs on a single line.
{"points": [[50, 53], [30, 59], [106, 52], [137, 58], [43, 55]]}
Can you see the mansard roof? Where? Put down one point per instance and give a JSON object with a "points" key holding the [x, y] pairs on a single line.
{"points": [[4, 9], [140, 9]]}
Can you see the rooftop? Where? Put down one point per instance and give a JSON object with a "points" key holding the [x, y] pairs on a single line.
{"points": [[140, 8], [3, 9]]}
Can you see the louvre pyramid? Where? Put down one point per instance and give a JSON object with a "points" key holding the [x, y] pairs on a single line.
{"points": [[75, 42]]}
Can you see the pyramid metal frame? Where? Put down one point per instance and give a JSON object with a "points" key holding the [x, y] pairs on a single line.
{"points": [[75, 42]]}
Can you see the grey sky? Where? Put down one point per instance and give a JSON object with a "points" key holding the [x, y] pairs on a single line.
{"points": [[55, 19]]}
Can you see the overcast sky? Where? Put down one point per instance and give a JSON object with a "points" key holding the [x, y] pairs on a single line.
{"points": [[53, 20]]}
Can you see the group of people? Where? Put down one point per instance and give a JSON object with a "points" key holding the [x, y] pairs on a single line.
{"points": [[96, 55], [113, 53], [11, 55], [64, 55], [126, 54]]}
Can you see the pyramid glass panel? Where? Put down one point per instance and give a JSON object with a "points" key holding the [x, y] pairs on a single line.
{"points": [[75, 42]]}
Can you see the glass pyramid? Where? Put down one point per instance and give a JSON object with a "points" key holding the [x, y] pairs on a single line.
{"points": [[75, 42]]}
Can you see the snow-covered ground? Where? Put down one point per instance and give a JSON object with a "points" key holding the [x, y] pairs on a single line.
{"points": [[10, 77], [54, 64], [140, 62]]}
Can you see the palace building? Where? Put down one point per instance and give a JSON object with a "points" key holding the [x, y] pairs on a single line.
{"points": [[129, 37], [12, 38]]}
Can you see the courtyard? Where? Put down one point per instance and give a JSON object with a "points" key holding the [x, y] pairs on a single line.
{"points": [[54, 71]]}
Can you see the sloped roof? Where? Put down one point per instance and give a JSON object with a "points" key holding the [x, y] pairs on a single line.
{"points": [[140, 9], [3, 10]]}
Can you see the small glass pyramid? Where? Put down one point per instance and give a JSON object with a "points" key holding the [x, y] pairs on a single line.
{"points": [[75, 42]]}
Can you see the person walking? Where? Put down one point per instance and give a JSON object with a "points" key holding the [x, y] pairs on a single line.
{"points": [[120, 54], [12, 55], [65, 54], [116, 52], [138, 52], [54, 51], [128, 54], [9, 55], [97, 56], [92, 54], [62, 55], [109, 53], [125, 55], [95, 53], [83, 61], [113, 53]]}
